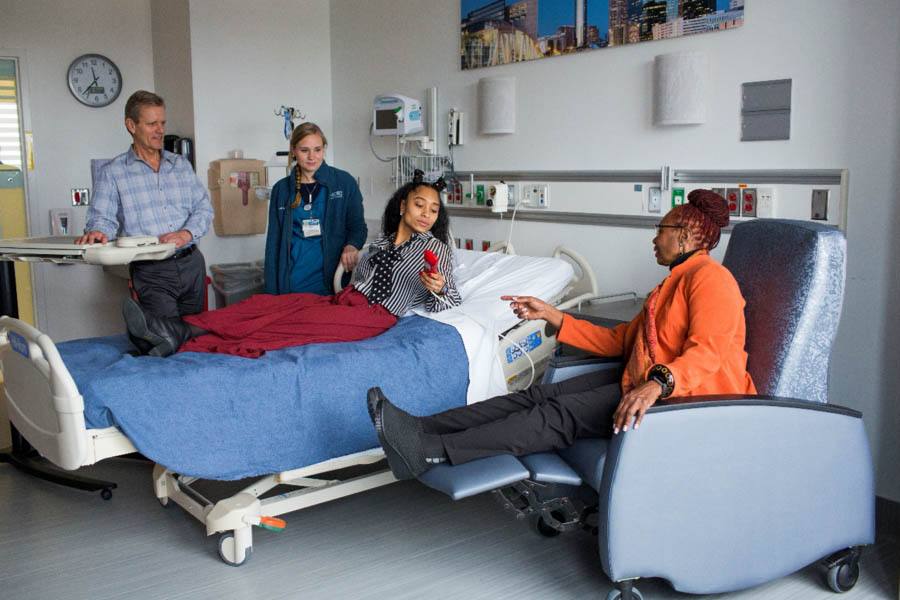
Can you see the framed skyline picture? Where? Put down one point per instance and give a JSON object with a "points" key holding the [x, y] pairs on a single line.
{"points": [[497, 32]]}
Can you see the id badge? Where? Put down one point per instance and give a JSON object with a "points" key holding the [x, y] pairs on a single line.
{"points": [[311, 228]]}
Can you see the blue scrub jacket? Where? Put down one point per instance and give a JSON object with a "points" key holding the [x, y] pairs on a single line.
{"points": [[344, 224]]}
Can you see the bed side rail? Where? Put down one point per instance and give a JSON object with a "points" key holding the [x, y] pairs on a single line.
{"points": [[42, 400], [584, 285]]}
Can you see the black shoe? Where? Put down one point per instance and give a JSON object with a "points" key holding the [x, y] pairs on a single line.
{"points": [[372, 398], [400, 436], [164, 336]]}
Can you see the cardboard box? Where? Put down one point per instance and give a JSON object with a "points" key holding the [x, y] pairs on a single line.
{"points": [[232, 184]]}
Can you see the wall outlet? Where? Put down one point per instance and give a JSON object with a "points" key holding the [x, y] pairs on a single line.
{"points": [[748, 202], [677, 197], [654, 200], [479, 195], [765, 203], [485, 244], [469, 245], [733, 198], [819, 205], [513, 194], [80, 197]]}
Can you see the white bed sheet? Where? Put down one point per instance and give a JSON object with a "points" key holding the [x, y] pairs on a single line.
{"points": [[482, 277]]}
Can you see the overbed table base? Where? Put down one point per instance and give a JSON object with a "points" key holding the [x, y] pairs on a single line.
{"points": [[25, 458]]}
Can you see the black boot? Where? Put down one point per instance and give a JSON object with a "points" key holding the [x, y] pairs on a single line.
{"points": [[400, 435], [154, 336]]}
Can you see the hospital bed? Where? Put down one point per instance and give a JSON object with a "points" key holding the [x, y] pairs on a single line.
{"points": [[295, 416]]}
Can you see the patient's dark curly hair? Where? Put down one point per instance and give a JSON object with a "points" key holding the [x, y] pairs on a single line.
{"points": [[705, 214], [390, 221]]}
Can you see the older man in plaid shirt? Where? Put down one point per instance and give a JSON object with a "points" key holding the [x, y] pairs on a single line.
{"points": [[149, 191]]}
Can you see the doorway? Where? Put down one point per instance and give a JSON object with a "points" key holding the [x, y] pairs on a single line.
{"points": [[13, 206]]}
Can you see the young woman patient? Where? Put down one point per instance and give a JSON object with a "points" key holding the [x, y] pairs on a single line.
{"points": [[392, 277]]}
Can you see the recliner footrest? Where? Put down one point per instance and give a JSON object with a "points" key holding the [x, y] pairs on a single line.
{"points": [[549, 467], [475, 477]]}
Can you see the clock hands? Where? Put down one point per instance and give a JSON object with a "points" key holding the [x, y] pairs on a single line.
{"points": [[88, 89]]}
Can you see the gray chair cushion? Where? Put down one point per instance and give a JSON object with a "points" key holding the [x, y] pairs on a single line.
{"points": [[791, 273]]}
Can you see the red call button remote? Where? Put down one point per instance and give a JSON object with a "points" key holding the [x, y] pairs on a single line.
{"points": [[432, 260]]}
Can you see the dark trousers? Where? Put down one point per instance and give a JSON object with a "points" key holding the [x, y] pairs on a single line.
{"points": [[173, 287], [540, 418]]}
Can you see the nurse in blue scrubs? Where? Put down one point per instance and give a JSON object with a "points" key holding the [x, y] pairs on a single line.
{"points": [[315, 220]]}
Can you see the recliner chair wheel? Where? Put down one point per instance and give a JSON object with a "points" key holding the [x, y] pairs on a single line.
{"points": [[616, 594], [543, 528], [841, 578]]}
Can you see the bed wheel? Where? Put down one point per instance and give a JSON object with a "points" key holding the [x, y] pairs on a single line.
{"points": [[106, 493], [227, 550]]}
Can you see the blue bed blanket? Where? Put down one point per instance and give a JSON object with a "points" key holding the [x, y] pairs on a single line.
{"points": [[225, 417]]}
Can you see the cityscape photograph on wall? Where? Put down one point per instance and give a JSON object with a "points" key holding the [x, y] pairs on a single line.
{"points": [[497, 32]]}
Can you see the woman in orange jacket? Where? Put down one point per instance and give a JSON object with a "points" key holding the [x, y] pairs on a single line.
{"points": [[688, 340]]}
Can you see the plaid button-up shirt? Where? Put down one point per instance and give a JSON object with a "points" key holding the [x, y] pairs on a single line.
{"points": [[130, 198]]}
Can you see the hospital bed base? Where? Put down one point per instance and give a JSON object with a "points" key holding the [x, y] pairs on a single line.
{"points": [[235, 516]]}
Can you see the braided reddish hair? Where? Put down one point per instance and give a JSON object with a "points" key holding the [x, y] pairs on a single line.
{"points": [[705, 214]]}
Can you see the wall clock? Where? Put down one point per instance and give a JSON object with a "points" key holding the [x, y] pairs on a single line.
{"points": [[94, 80]]}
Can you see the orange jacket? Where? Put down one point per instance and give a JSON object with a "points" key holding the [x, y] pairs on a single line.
{"points": [[700, 327]]}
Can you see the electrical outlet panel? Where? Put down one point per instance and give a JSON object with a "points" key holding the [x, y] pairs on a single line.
{"points": [[469, 245], [536, 195], [765, 203], [677, 197], [654, 200], [454, 193], [748, 202], [513, 194], [819, 205], [485, 244], [479, 195], [80, 197], [733, 198]]}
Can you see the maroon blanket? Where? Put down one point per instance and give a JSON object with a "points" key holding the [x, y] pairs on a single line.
{"points": [[265, 322]]}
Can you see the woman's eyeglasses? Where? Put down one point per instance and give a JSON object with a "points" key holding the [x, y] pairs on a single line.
{"points": [[660, 227]]}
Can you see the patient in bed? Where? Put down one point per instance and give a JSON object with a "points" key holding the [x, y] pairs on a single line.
{"points": [[392, 277], [688, 340]]}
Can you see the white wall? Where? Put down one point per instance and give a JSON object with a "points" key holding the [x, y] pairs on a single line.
{"points": [[248, 59], [74, 300], [593, 111], [171, 29]]}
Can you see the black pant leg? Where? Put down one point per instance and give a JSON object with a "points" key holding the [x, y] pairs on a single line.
{"points": [[552, 425], [498, 407], [172, 287], [156, 285], [192, 275]]}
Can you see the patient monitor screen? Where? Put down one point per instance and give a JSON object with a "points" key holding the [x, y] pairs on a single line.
{"points": [[385, 119]]}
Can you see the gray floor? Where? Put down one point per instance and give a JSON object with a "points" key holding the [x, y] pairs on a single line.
{"points": [[399, 541]]}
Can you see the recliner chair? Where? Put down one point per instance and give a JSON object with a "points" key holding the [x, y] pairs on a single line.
{"points": [[720, 493]]}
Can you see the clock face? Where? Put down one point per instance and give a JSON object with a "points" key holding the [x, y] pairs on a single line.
{"points": [[94, 80]]}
